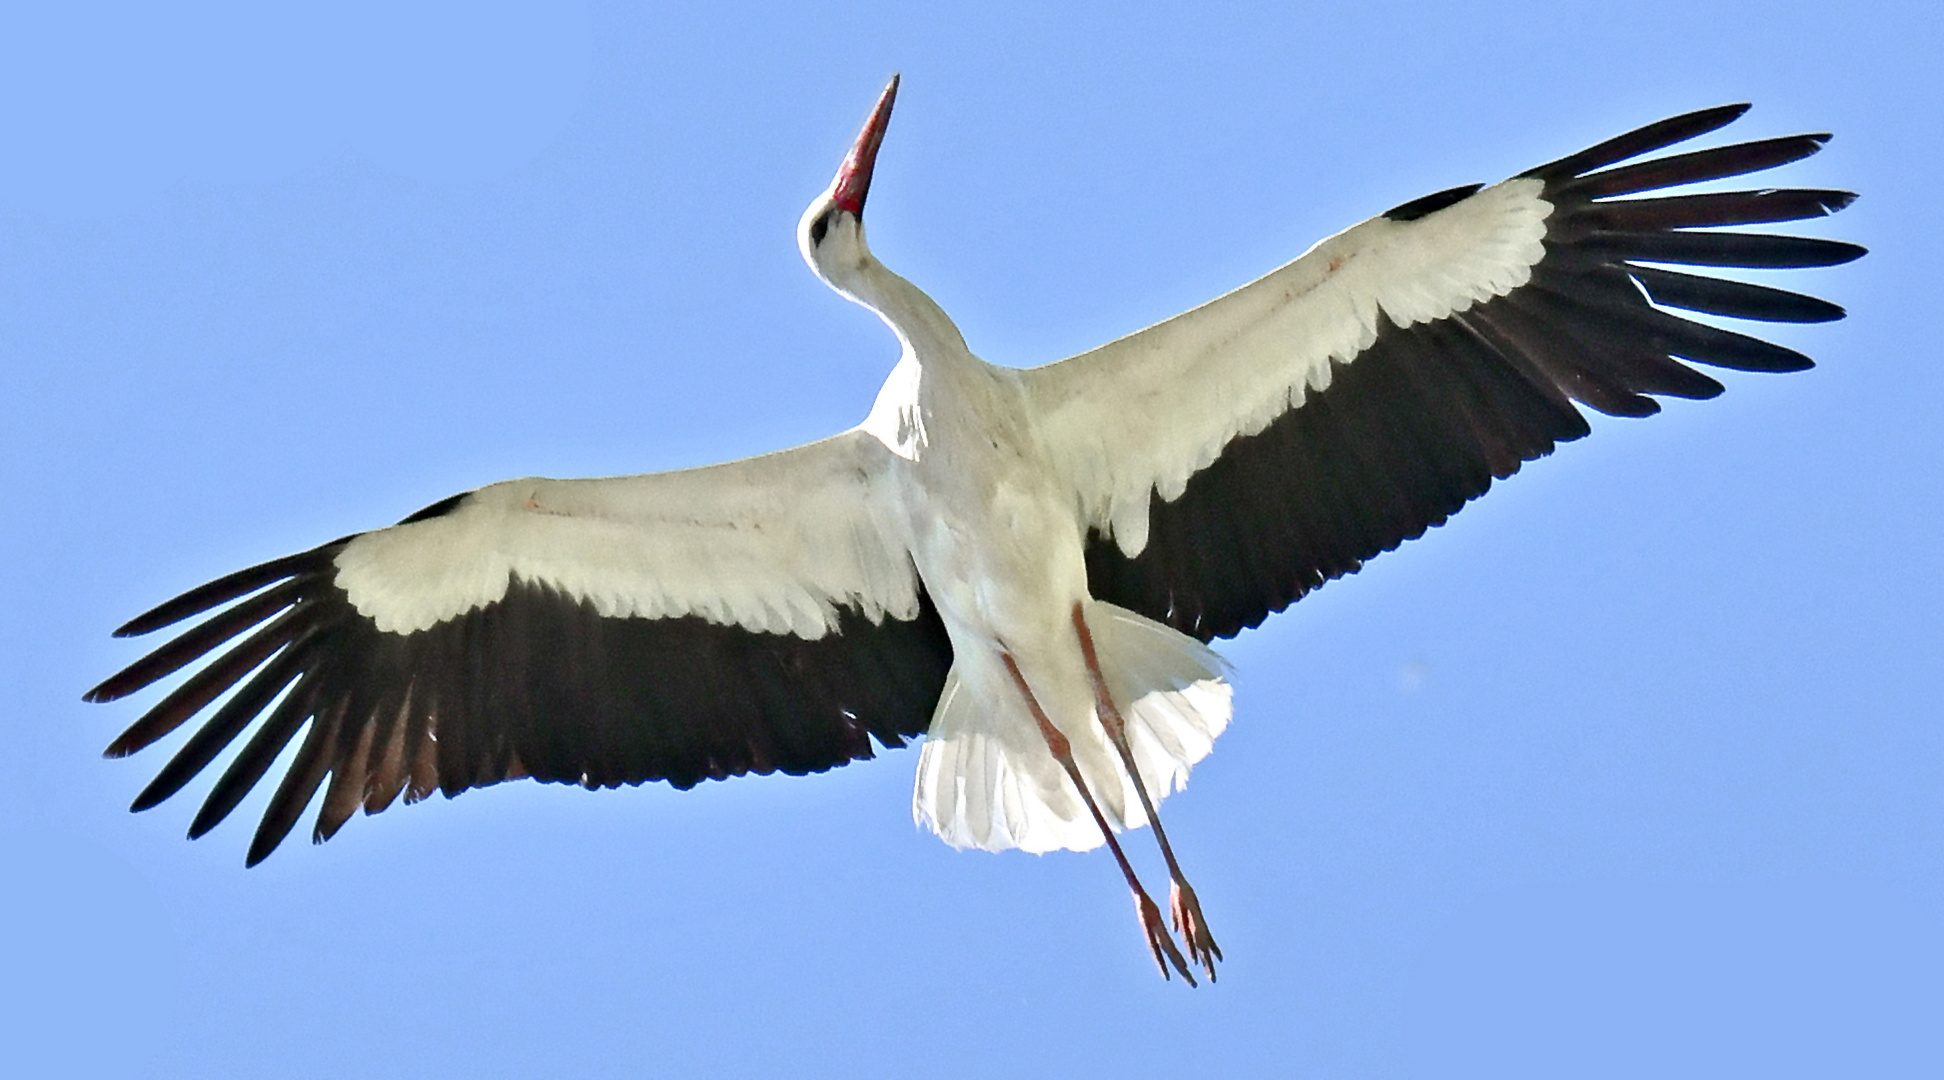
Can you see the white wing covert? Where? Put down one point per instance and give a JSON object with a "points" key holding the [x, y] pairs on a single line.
{"points": [[774, 544]]}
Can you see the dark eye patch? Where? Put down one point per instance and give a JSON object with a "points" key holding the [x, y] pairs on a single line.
{"points": [[819, 227]]}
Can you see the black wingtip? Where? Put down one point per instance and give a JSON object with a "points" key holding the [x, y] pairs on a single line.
{"points": [[270, 834], [207, 818], [150, 798], [148, 622], [1702, 121], [117, 686], [1840, 252], [230, 586], [1641, 140]]}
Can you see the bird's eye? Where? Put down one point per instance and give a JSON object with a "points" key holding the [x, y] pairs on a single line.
{"points": [[820, 226]]}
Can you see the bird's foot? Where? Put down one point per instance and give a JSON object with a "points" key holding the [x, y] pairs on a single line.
{"points": [[1194, 929], [1160, 942]]}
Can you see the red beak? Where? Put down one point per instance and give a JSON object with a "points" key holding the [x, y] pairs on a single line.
{"points": [[854, 177]]}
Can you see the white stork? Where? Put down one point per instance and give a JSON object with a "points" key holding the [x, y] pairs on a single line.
{"points": [[1024, 566]]}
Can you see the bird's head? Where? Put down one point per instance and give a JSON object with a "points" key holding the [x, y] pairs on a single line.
{"points": [[831, 234]]}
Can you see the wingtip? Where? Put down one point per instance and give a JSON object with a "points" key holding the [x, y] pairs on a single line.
{"points": [[117, 686], [147, 622], [1720, 116], [1846, 252], [266, 840], [166, 783], [128, 742], [205, 821], [1838, 201]]}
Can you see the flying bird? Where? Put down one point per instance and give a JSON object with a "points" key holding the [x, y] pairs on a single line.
{"points": [[1024, 566]]}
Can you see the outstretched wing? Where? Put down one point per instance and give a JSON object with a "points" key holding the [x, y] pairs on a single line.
{"points": [[1235, 457], [757, 616]]}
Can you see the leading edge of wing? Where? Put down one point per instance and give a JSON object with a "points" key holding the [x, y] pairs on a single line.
{"points": [[537, 680], [774, 543], [1233, 458]]}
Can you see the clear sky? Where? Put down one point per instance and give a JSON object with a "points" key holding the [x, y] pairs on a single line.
{"points": [[1633, 769]]}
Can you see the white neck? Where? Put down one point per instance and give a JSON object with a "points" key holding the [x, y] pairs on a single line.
{"points": [[922, 326]]}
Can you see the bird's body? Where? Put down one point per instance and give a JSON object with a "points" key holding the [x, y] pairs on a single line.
{"points": [[1000, 548], [1025, 566]]}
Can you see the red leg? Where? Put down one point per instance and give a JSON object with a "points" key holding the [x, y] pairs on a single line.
{"points": [[1160, 942], [1186, 908]]}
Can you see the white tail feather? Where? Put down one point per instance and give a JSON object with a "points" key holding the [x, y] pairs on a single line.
{"points": [[986, 779]]}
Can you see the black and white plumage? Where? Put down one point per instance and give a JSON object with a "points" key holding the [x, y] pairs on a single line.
{"points": [[992, 549]]}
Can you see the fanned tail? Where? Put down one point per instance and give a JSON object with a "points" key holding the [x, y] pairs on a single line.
{"points": [[988, 782]]}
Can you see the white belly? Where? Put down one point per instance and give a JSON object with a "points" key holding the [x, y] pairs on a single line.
{"points": [[1007, 571]]}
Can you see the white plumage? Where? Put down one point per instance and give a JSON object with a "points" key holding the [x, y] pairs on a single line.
{"points": [[773, 544]]}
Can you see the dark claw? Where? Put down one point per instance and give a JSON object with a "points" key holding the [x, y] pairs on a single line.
{"points": [[1194, 929]]}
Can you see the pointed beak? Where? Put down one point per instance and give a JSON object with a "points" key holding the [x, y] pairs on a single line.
{"points": [[854, 177]]}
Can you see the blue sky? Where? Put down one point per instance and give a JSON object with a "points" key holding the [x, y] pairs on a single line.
{"points": [[1632, 769]]}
